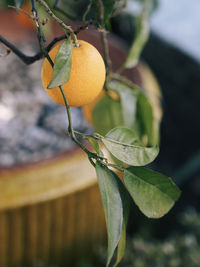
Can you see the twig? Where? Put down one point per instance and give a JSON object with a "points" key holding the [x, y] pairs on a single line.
{"points": [[40, 35], [62, 24], [123, 79], [87, 10], [26, 59], [104, 38], [36, 19], [31, 59], [101, 10]]}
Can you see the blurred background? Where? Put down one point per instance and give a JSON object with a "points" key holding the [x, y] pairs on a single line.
{"points": [[33, 128]]}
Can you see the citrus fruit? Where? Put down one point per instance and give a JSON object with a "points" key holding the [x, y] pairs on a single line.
{"points": [[87, 76]]}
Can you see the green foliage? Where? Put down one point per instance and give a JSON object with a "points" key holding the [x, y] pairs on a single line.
{"points": [[108, 9], [145, 119], [141, 37], [94, 144], [62, 65], [132, 110], [126, 208], [128, 97], [113, 207], [153, 193], [125, 146], [106, 115]]}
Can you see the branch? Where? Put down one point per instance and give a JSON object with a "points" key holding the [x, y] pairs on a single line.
{"points": [[26, 59], [31, 59], [104, 38], [62, 24], [36, 19]]}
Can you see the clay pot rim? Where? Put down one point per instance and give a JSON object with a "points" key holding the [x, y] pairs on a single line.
{"points": [[41, 162]]}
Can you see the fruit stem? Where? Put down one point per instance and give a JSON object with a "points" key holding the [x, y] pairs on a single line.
{"points": [[62, 24], [72, 132]]}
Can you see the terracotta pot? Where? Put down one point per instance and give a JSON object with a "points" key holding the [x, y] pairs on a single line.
{"points": [[52, 210]]}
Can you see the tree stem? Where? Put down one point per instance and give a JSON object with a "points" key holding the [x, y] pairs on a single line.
{"points": [[62, 24]]}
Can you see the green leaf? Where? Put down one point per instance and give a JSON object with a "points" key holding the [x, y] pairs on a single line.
{"points": [[154, 193], [122, 245], [128, 99], [146, 119], [126, 207], [124, 144], [62, 65], [94, 144], [141, 37], [108, 9], [112, 203], [106, 115], [19, 3]]}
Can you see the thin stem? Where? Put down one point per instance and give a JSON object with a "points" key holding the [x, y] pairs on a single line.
{"points": [[36, 19], [101, 10], [104, 38], [62, 24], [87, 10], [115, 166], [31, 59], [26, 59], [106, 52], [71, 130], [86, 136], [123, 79], [40, 35]]}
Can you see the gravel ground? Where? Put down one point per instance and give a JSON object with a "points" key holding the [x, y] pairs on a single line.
{"points": [[32, 126]]}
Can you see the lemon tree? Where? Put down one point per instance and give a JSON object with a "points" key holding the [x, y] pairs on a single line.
{"points": [[74, 74]]}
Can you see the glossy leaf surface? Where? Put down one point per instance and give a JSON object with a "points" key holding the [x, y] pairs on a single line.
{"points": [[112, 204], [126, 207], [145, 118], [153, 193], [128, 99], [62, 65], [106, 115], [124, 144]]}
